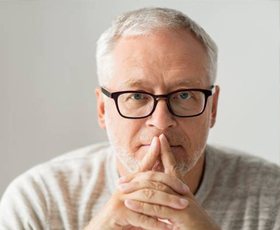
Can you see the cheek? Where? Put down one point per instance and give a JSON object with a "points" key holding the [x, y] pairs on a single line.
{"points": [[197, 129], [121, 131]]}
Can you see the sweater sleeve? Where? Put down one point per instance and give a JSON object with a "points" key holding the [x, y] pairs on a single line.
{"points": [[24, 204]]}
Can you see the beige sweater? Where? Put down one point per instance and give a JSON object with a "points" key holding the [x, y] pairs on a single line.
{"points": [[240, 192]]}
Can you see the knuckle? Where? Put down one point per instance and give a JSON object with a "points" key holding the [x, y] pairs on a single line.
{"points": [[149, 222], [144, 219], [135, 177], [135, 184], [150, 175], [139, 205], [158, 209], [148, 193], [159, 186]]}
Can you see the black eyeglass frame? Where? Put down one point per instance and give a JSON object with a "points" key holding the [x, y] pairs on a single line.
{"points": [[207, 93]]}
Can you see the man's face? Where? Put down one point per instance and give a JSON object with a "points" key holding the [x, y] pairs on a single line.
{"points": [[158, 63]]}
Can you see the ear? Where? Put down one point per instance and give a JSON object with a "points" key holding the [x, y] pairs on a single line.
{"points": [[215, 105], [100, 108]]}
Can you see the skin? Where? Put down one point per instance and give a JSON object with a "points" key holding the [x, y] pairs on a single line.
{"points": [[151, 190]]}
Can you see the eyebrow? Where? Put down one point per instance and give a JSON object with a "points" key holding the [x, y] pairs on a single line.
{"points": [[133, 83]]}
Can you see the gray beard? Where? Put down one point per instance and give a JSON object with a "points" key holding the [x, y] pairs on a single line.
{"points": [[132, 165]]}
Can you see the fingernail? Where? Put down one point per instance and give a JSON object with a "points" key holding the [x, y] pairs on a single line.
{"points": [[127, 203], [183, 202], [131, 204]]}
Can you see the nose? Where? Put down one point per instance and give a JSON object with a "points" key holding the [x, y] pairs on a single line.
{"points": [[161, 118]]}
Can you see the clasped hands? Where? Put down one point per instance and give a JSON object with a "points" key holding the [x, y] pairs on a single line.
{"points": [[153, 200]]}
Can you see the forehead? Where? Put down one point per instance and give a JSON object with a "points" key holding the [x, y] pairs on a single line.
{"points": [[163, 59]]}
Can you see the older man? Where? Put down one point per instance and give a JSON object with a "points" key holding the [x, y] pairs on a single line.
{"points": [[157, 102]]}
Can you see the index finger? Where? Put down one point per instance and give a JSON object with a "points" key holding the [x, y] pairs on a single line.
{"points": [[167, 157], [147, 162], [151, 157]]}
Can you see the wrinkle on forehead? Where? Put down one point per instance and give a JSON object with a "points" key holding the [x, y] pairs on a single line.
{"points": [[162, 62], [159, 59], [169, 74]]}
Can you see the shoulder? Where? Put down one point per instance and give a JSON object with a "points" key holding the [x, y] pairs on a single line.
{"points": [[77, 163], [246, 187], [96, 151], [242, 169], [38, 190], [233, 158]]}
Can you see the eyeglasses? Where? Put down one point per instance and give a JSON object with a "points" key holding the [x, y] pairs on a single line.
{"points": [[141, 104]]}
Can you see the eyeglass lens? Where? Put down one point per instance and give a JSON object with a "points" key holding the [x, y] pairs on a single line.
{"points": [[183, 103]]}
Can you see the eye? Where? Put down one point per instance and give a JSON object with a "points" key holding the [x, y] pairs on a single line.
{"points": [[137, 96], [184, 95]]}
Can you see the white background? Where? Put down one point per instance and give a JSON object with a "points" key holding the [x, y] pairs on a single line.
{"points": [[47, 73]]}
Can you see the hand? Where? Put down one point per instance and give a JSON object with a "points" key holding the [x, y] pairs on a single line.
{"points": [[192, 217], [115, 214]]}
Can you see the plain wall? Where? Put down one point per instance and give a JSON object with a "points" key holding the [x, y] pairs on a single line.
{"points": [[48, 77]]}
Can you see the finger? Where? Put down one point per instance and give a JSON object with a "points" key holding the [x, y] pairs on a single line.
{"points": [[147, 162], [167, 157], [145, 222], [157, 211], [158, 198], [171, 181], [137, 185], [151, 157], [192, 215]]}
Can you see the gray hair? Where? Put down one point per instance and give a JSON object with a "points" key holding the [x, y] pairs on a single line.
{"points": [[145, 21]]}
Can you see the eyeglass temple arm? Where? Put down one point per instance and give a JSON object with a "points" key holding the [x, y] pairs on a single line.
{"points": [[213, 89], [106, 92]]}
